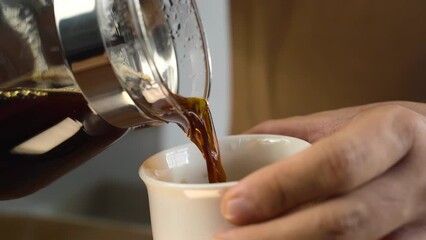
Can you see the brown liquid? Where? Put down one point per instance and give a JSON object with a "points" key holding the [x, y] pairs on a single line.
{"points": [[27, 113], [197, 123]]}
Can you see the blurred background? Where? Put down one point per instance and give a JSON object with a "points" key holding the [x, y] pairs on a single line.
{"points": [[271, 59], [295, 57]]}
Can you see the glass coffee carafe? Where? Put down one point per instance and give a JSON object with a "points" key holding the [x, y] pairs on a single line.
{"points": [[76, 75]]}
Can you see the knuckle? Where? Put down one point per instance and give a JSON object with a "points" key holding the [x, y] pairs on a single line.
{"points": [[406, 123], [338, 171], [404, 117], [319, 132], [346, 224], [278, 203]]}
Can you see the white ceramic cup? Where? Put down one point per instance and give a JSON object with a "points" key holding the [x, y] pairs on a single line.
{"points": [[183, 205]]}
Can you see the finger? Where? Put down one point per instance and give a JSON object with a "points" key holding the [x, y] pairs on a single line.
{"points": [[369, 213], [316, 126], [412, 231], [334, 165], [311, 127]]}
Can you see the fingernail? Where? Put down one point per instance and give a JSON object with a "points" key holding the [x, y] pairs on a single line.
{"points": [[237, 209]]}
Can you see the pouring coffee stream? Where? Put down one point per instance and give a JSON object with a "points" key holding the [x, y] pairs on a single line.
{"points": [[82, 80], [196, 120]]}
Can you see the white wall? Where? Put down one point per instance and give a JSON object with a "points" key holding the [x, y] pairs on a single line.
{"points": [[108, 186]]}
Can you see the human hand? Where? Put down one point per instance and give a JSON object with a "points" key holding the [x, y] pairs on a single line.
{"points": [[363, 178]]}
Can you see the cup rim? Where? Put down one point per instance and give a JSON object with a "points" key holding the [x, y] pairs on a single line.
{"points": [[204, 186]]}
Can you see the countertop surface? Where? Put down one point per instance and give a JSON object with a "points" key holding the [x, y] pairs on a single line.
{"points": [[21, 227]]}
